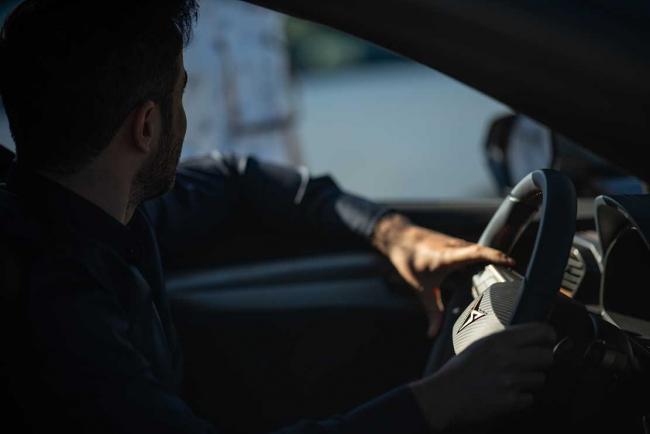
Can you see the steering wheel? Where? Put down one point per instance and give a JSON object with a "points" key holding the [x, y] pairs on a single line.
{"points": [[502, 296]]}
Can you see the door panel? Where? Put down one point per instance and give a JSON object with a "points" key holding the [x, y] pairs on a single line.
{"points": [[298, 331], [264, 352]]}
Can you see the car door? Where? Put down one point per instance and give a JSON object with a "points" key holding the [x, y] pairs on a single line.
{"points": [[268, 342]]}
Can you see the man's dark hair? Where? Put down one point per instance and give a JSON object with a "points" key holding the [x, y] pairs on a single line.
{"points": [[71, 72]]}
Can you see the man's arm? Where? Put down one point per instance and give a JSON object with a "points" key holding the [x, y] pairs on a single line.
{"points": [[216, 198]]}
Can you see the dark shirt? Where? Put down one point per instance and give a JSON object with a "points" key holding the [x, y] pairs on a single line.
{"points": [[98, 349]]}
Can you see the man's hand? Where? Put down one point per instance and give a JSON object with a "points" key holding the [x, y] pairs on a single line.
{"points": [[424, 258], [494, 376]]}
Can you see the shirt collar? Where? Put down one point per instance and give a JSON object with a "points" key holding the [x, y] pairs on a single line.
{"points": [[63, 210]]}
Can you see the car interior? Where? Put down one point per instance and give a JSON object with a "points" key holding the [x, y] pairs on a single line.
{"points": [[315, 327]]}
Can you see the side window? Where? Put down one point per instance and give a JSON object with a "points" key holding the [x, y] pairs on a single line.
{"points": [[384, 126], [390, 128], [294, 92], [289, 91]]}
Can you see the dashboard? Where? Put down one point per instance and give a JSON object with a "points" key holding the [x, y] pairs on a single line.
{"points": [[608, 266], [583, 273], [625, 292], [582, 276]]}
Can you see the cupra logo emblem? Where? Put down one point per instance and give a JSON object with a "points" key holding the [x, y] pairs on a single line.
{"points": [[474, 314]]}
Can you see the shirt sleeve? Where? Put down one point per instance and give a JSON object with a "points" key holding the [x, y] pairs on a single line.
{"points": [[213, 196], [392, 413], [103, 383]]}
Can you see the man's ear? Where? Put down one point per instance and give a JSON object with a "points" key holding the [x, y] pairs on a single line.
{"points": [[146, 125]]}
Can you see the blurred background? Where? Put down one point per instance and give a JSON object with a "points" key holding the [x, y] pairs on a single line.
{"points": [[298, 93]]}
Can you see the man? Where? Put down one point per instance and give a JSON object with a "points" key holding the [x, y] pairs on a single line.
{"points": [[93, 95]]}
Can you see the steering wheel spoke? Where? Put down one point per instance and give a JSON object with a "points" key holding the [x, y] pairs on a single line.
{"points": [[490, 275]]}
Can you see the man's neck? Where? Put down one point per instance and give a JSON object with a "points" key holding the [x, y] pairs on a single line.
{"points": [[102, 189]]}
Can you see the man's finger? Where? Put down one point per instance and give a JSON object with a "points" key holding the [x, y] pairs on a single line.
{"points": [[529, 382], [474, 254], [532, 358], [458, 242], [435, 324], [522, 401], [408, 275], [437, 292], [529, 334]]}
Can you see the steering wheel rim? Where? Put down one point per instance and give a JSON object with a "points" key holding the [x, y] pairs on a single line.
{"points": [[504, 297], [553, 194]]}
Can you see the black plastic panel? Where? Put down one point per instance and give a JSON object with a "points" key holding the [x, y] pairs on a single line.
{"points": [[295, 339]]}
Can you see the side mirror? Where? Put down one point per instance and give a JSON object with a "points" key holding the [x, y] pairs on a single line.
{"points": [[517, 145]]}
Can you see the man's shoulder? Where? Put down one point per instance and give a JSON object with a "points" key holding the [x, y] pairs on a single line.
{"points": [[13, 218], [82, 270], [47, 266], [52, 263], [43, 247], [58, 264]]}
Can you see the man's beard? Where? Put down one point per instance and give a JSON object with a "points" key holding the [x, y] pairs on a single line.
{"points": [[158, 174]]}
